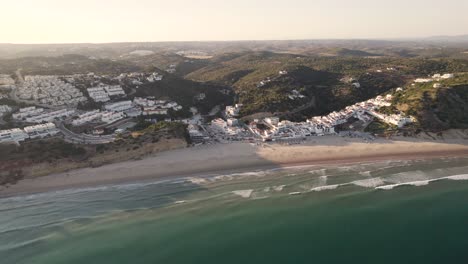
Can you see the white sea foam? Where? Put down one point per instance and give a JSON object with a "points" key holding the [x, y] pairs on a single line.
{"points": [[319, 172], [324, 188], [411, 176], [365, 173], [278, 188], [419, 183], [295, 193], [323, 180], [369, 183], [248, 174], [222, 178], [414, 183], [196, 180], [461, 177], [243, 193], [387, 187]]}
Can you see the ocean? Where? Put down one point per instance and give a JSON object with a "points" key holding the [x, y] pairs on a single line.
{"points": [[385, 212]]}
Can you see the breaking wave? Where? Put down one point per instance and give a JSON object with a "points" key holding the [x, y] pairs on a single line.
{"points": [[459, 177]]}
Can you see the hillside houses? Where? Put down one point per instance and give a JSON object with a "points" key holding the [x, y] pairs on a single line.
{"points": [[154, 110], [196, 134], [325, 125], [41, 131], [154, 77], [111, 117], [233, 111], [27, 112], [295, 95], [4, 109], [6, 82], [39, 115], [98, 94], [87, 117], [439, 77], [103, 93], [14, 135], [423, 80], [228, 128], [5, 79], [49, 90], [114, 90], [118, 106], [156, 107], [116, 111], [394, 119], [17, 135], [435, 77]]}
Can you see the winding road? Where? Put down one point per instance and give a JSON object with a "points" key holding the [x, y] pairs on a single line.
{"points": [[73, 137]]}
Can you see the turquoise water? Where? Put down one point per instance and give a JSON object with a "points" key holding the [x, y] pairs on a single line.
{"points": [[339, 214]]}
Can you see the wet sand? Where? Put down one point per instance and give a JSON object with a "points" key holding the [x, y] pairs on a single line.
{"points": [[238, 157]]}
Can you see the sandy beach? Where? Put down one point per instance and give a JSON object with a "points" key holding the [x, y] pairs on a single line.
{"points": [[237, 157]]}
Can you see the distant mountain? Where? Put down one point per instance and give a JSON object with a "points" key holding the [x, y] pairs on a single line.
{"points": [[355, 53], [459, 38]]}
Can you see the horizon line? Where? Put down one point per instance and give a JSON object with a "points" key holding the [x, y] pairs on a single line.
{"points": [[243, 40]]}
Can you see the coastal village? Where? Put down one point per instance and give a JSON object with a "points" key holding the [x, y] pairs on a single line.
{"points": [[53, 112]]}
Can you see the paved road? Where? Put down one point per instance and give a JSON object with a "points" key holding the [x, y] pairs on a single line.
{"points": [[73, 137]]}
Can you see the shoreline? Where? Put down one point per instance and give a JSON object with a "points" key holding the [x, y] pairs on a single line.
{"points": [[233, 158]]}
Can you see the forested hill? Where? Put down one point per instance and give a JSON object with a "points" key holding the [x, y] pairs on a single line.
{"points": [[328, 83]]}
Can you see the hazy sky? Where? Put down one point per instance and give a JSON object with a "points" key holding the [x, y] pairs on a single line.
{"points": [[68, 21]]}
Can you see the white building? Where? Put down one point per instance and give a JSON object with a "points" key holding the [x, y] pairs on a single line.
{"points": [[133, 112], [447, 76], [273, 121], [233, 110], [143, 101], [4, 109], [50, 116], [98, 94], [395, 119], [27, 112], [111, 117], [114, 90], [87, 117], [219, 124], [200, 96], [154, 77], [49, 90], [41, 131], [232, 122], [13, 135], [154, 110], [6, 80], [119, 106], [423, 80]]}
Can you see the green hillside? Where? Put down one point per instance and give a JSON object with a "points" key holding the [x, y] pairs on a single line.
{"points": [[64, 65], [437, 109], [183, 92], [320, 79]]}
